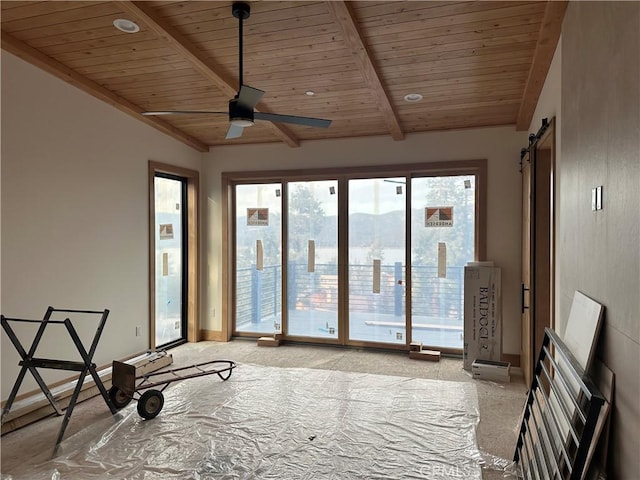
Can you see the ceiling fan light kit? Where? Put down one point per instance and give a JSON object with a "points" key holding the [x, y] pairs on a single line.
{"points": [[242, 112], [242, 122]]}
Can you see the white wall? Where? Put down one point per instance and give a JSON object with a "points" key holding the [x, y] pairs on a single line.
{"points": [[598, 253], [74, 212], [501, 146]]}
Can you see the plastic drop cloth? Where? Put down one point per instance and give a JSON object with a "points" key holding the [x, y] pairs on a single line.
{"points": [[283, 423]]}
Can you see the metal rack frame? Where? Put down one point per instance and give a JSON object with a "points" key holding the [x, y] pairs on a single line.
{"points": [[31, 363], [560, 416]]}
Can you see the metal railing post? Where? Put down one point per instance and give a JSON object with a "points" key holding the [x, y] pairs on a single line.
{"points": [[256, 294], [292, 290], [275, 291], [397, 289], [461, 292]]}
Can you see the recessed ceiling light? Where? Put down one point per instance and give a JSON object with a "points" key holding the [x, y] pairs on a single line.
{"points": [[126, 26], [412, 97], [310, 93]]}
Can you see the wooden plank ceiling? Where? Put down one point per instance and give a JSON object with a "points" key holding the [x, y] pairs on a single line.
{"points": [[474, 63]]}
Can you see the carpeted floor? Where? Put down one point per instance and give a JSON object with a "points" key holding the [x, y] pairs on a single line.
{"points": [[499, 404]]}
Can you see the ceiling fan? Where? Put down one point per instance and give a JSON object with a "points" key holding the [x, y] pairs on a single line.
{"points": [[241, 107]]}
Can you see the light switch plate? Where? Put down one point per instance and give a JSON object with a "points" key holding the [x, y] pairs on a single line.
{"points": [[596, 198]]}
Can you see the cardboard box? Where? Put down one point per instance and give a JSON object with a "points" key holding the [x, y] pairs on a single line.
{"points": [[482, 313], [491, 370], [415, 346], [491, 378], [431, 355]]}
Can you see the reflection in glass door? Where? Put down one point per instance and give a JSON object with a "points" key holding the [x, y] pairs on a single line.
{"points": [[170, 288], [258, 258], [442, 242], [312, 259], [376, 260]]}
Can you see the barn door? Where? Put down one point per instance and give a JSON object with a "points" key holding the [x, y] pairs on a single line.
{"points": [[537, 294], [527, 355]]}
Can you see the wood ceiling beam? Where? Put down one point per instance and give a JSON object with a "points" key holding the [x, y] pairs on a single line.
{"points": [[345, 18], [179, 43], [542, 57], [57, 69]]}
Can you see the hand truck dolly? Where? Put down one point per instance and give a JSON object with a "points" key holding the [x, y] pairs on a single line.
{"points": [[126, 386]]}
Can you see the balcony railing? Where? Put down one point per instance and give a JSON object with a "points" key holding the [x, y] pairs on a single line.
{"points": [[259, 292]]}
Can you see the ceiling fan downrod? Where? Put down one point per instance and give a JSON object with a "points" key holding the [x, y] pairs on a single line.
{"points": [[241, 11], [242, 111]]}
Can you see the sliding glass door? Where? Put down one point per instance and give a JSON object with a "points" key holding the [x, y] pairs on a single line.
{"points": [[357, 258], [258, 259], [443, 212], [376, 260], [312, 259]]}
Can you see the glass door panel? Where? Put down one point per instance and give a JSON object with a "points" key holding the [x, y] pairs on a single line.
{"points": [[442, 242], [312, 259], [258, 259], [170, 287], [376, 259]]}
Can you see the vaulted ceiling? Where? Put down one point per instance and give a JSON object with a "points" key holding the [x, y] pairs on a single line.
{"points": [[475, 64]]}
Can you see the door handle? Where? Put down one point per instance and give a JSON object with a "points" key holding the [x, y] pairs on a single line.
{"points": [[522, 305]]}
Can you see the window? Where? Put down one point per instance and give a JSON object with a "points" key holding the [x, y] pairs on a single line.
{"points": [[173, 255], [370, 257]]}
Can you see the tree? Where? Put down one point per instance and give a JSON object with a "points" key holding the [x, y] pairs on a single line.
{"points": [[306, 220]]}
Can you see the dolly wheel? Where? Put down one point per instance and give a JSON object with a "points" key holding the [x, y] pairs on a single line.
{"points": [[118, 397], [150, 403]]}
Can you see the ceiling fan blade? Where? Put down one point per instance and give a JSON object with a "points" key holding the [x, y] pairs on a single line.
{"points": [[183, 112], [307, 121], [249, 96], [234, 132]]}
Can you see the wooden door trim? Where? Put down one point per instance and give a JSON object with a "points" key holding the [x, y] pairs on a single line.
{"points": [[548, 141], [192, 178], [228, 261]]}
